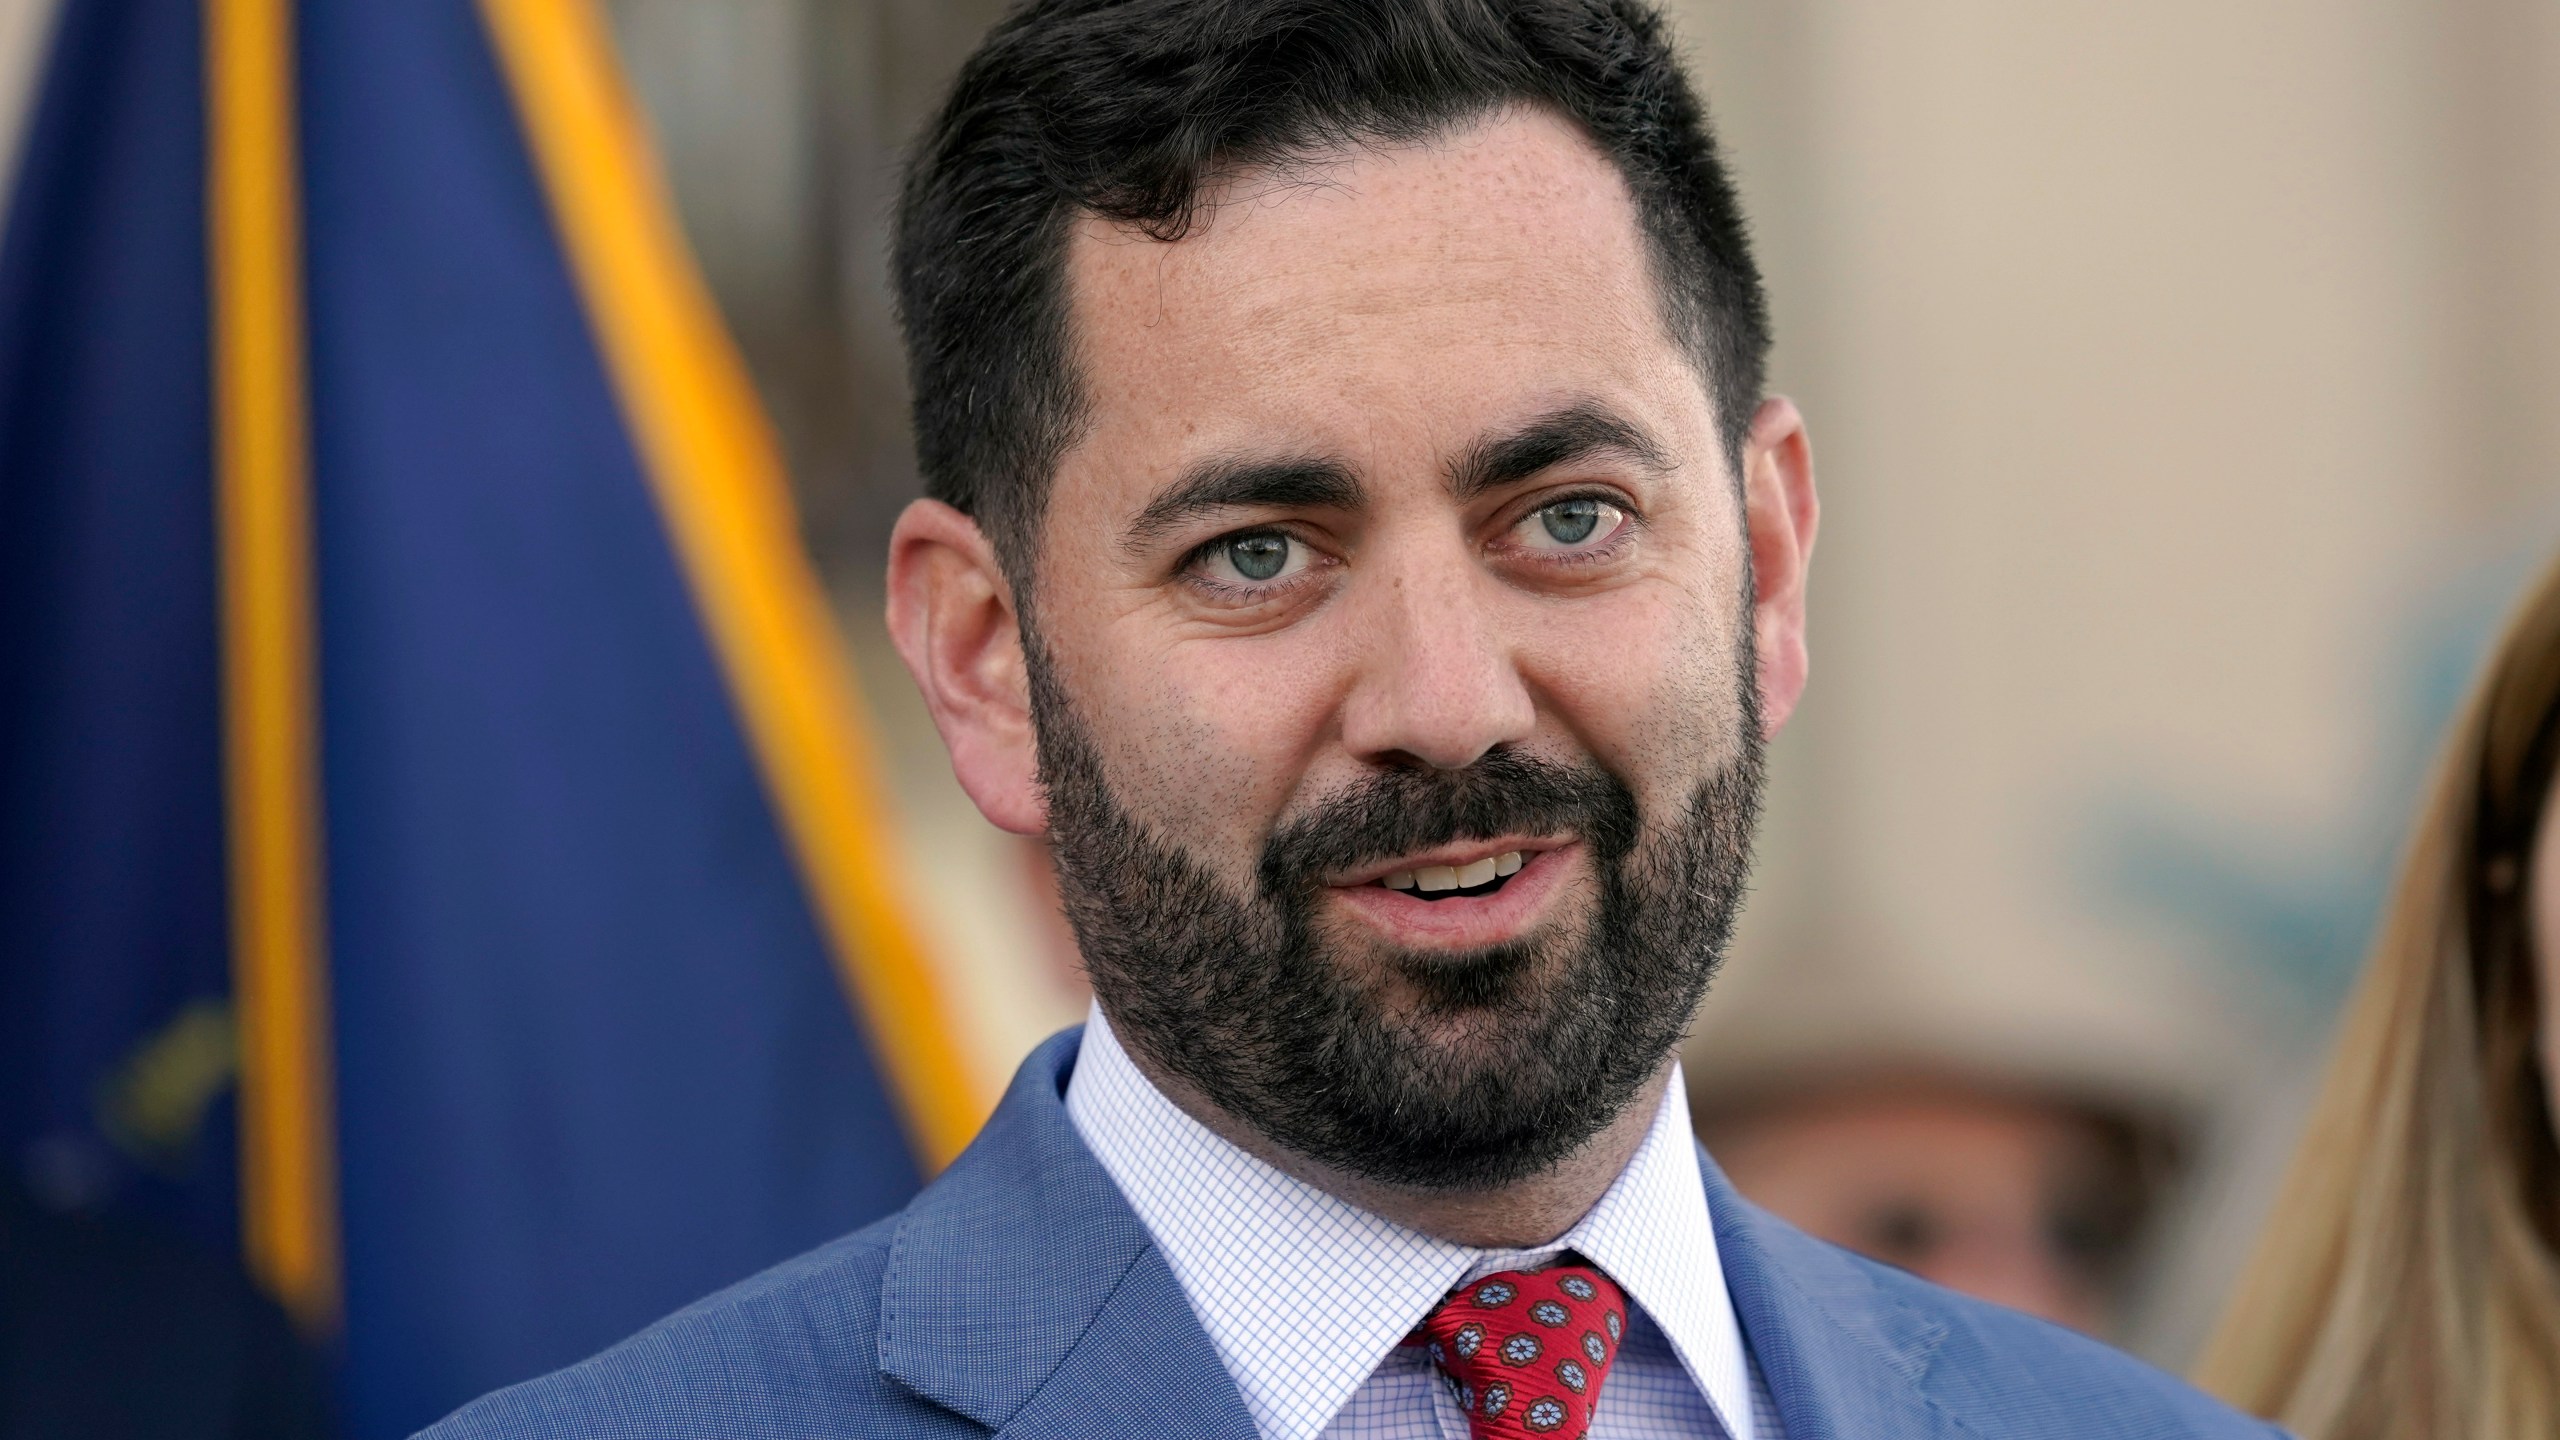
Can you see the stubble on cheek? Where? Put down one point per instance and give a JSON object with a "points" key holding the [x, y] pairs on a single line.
{"points": [[1684, 725], [1194, 785]]}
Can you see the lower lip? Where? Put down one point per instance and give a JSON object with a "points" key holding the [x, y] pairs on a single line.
{"points": [[1465, 922]]}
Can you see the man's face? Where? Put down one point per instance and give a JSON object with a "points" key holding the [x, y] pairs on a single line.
{"points": [[1398, 552]]}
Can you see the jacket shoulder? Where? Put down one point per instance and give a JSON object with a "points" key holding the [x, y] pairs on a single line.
{"points": [[2006, 1374], [790, 1353]]}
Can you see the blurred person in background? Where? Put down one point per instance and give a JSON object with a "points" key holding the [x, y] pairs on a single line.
{"points": [[2012, 1191], [2407, 1286], [2017, 1130]]}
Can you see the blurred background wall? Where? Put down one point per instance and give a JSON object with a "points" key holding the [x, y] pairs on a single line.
{"points": [[2181, 383]]}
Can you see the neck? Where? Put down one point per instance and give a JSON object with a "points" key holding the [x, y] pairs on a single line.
{"points": [[1522, 1215]]}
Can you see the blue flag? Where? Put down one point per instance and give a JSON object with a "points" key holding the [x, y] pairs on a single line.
{"points": [[438, 851]]}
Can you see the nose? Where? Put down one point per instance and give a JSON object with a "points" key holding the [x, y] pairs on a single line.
{"points": [[1439, 681]]}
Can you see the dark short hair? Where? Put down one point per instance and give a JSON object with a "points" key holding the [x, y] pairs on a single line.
{"points": [[1129, 109]]}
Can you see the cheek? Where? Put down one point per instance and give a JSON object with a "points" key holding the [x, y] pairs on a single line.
{"points": [[1647, 680], [1204, 740]]}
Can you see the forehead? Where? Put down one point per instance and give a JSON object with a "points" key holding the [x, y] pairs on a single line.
{"points": [[1405, 296]]}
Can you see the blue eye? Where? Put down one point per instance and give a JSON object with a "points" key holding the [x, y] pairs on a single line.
{"points": [[1572, 521], [1258, 557], [1253, 558], [1568, 524]]}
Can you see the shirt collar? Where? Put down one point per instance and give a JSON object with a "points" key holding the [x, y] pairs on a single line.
{"points": [[1303, 1293]]}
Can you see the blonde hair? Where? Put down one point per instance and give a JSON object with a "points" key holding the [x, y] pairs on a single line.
{"points": [[2407, 1286]]}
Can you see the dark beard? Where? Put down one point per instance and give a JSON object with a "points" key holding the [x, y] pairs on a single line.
{"points": [[1536, 1044]]}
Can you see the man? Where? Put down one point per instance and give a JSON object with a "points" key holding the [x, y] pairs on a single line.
{"points": [[1360, 544]]}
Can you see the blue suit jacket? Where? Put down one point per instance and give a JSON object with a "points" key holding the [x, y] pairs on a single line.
{"points": [[1020, 1295]]}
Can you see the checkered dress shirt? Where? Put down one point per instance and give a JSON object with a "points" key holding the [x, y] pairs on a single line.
{"points": [[1265, 1259]]}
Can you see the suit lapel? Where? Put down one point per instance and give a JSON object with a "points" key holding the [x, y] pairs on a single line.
{"points": [[1144, 1370], [1842, 1358], [1023, 1293]]}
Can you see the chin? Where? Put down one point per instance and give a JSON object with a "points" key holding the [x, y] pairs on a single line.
{"points": [[1466, 1011]]}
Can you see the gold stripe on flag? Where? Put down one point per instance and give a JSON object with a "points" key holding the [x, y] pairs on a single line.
{"points": [[288, 1178], [718, 479]]}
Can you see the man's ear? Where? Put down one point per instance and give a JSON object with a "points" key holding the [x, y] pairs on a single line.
{"points": [[951, 615], [1780, 506]]}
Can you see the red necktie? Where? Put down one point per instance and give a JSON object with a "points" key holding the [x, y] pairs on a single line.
{"points": [[1525, 1350]]}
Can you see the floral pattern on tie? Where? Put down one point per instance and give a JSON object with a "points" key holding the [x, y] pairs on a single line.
{"points": [[1525, 1351]]}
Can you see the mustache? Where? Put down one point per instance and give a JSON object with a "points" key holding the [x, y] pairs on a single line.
{"points": [[1396, 812]]}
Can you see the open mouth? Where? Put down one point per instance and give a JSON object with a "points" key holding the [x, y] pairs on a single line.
{"points": [[1450, 882]]}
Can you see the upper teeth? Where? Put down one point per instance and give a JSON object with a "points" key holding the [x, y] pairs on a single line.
{"points": [[1434, 878]]}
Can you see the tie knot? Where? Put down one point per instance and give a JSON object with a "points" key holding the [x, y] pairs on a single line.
{"points": [[1525, 1350]]}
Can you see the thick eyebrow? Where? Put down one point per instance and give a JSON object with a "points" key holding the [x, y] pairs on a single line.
{"points": [[1232, 483], [1576, 432]]}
